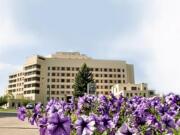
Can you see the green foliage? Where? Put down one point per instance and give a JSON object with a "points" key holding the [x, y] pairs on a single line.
{"points": [[3, 100], [83, 77]]}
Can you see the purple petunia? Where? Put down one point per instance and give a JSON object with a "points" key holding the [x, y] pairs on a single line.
{"points": [[125, 130], [21, 114], [85, 125], [58, 124]]}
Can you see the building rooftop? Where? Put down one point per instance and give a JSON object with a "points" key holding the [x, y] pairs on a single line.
{"points": [[69, 55]]}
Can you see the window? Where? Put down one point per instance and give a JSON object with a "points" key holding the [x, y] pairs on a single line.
{"points": [[119, 81], [62, 68], [97, 75], [68, 80], [62, 92], [53, 80], [53, 68], [144, 94], [68, 92], [62, 74], [105, 81], [106, 93], [68, 74], [110, 70], [62, 80], [53, 74], [57, 86], [106, 87], [119, 70], [68, 68], [52, 86], [48, 68], [105, 75], [123, 70], [124, 81], [110, 75], [131, 94], [68, 86], [96, 69], [57, 92], [52, 92], [127, 94], [124, 88], [105, 70], [62, 86], [133, 88], [123, 76]]}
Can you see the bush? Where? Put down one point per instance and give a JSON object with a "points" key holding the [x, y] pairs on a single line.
{"points": [[3, 100]]}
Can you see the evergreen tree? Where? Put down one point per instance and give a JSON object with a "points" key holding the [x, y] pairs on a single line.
{"points": [[83, 77]]}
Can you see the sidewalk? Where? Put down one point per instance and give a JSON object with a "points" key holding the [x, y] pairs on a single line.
{"points": [[13, 126]]}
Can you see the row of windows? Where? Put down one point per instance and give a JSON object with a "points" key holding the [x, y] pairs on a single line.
{"points": [[55, 98], [31, 92], [91, 69], [59, 92], [59, 86], [70, 86], [135, 94], [32, 79], [11, 86], [94, 75], [32, 85], [60, 80], [32, 66], [102, 92], [32, 73]]}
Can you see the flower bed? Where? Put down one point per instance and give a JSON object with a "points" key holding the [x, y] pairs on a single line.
{"points": [[102, 115]]}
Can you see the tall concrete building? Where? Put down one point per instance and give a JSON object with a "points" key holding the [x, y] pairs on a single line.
{"points": [[53, 76]]}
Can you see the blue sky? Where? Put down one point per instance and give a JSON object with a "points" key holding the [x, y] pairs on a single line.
{"points": [[145, 33]]}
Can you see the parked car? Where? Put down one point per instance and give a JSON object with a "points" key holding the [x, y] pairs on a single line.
{"points": [[30, 106]]}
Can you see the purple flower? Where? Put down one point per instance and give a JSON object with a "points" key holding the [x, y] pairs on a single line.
{"points": [[85, 125], [42, 123], [105, 122], [36, 113], [58, 124], [125, 130], [21, 114], [168, 121]]}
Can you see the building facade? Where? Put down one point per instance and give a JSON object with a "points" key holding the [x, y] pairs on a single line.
{"points": [[53, 76], [131, 89]]}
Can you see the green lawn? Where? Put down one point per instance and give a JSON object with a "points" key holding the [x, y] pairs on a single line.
{"points": [[8, 110]]}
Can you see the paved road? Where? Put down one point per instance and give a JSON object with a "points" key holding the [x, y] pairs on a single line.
{"points": [[10, 125], [8, 114]]}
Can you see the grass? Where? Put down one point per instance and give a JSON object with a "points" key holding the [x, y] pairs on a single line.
{"points": [[7, 110]]}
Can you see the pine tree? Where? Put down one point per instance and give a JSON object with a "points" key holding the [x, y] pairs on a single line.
{"points": [[83, 77]]}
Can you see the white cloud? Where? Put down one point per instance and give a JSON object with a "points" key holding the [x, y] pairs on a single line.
{"points": [[159, 37], [10, 33]]}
